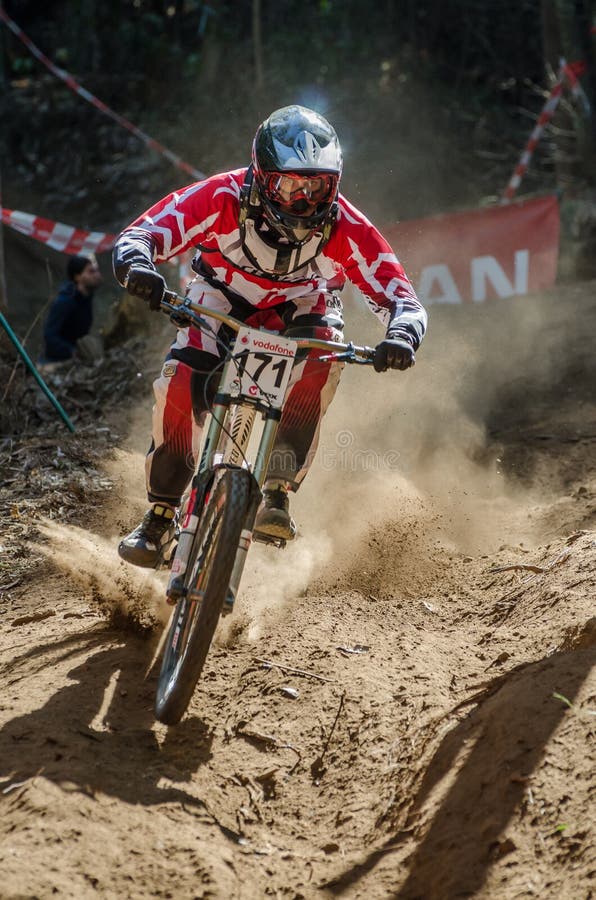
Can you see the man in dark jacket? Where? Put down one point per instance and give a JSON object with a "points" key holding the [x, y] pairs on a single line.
{"points": [[71, 314]]}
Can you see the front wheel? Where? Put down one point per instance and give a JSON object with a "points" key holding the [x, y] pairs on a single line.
{"points": [[195, 617]]}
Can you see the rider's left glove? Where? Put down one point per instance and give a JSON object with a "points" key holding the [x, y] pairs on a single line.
{"points": [[394, 352], [147, 284]]}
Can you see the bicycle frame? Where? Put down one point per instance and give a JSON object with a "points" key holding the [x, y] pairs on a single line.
{"points": [[232, 418]]}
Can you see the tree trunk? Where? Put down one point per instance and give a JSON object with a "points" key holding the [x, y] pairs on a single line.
{"points": [[3, 294], [3, 59], [88, 54], [588, 55], [257, 44], [211, 48]]}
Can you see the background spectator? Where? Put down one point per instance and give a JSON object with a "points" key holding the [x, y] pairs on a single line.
{"points": [[70, 316]]}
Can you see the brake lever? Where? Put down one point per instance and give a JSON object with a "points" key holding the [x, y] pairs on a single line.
{"points": [[349, 356], [182, 317]]}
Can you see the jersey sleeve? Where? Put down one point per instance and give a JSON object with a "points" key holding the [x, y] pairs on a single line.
{"points": [[372, 266], [180, 220]]}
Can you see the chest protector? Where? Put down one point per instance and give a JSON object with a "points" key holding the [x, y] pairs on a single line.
{"points": [[264, 250]]}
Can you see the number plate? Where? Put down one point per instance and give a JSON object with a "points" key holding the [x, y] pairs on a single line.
{"points": [[261, 367]]}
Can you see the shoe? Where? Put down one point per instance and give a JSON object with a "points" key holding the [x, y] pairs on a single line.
{"points": [[149, 543], [273, 518]]}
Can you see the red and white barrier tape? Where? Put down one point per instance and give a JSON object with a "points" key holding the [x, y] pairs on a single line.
{"points": [[90, 98], [568, 72], [548, 111], [57, 235], [572, 72], [74, 241]]}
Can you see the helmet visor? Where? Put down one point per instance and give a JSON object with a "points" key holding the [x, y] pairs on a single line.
{"points": [[299, 195]]}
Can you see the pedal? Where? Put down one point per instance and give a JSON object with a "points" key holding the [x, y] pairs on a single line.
{"points": [[262, 538], [167, 557]]}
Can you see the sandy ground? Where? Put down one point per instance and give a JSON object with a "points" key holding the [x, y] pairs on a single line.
{"points": [[404, 703]]}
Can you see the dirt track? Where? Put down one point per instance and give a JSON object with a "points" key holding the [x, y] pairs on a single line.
{"points": [[436, 619]]}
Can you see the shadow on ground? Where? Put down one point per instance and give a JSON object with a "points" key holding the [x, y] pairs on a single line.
{"points": [[501, 742], [97, 731]]}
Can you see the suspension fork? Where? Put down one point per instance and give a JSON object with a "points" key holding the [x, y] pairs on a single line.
{"points": [[215, 431], [200, 486], [266, 445], [241, 425]]}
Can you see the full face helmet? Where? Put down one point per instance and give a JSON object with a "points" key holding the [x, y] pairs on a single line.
{"points": [[297, 163]]}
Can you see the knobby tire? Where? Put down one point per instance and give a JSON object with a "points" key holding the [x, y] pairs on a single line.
{"points": [[209, 570]]}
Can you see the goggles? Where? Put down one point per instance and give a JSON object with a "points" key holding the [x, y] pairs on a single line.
{"points": [[299, 195]]}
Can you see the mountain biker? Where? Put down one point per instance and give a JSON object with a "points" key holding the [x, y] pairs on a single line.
{"points": [[275, 242]]}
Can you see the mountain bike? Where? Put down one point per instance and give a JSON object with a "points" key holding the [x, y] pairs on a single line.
{"points": [[217, 525]]}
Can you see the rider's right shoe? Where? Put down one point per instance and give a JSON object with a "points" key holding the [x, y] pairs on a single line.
{"points": [[273, 520], [149, 544]]}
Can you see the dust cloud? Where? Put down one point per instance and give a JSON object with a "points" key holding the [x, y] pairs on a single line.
{"points": [[408, 454], [92, 562], [433, 434], [417, 458]]}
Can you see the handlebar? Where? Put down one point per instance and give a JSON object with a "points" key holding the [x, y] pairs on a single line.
{"points": [[182, 311]]}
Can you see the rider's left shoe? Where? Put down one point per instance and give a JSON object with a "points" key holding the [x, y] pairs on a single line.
{"points": [[273, 518], [151, 541]]}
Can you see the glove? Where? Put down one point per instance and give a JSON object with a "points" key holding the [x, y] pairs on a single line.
{"points": [[393, 353], [147, 284]]}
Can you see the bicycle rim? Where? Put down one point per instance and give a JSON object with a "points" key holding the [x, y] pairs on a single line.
{"points": [[196, 615]]}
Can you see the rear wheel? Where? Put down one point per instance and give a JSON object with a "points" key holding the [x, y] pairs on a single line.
{"points": [[195, 617]]}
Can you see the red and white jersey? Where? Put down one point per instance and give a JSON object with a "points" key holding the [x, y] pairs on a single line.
{"points": [[205, 216]]}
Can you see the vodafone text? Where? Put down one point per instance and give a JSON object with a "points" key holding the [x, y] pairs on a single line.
{"points": [[272, 348]]}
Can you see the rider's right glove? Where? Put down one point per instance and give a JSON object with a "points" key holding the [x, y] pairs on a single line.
{"points": [[393, 353], [147, 284]]}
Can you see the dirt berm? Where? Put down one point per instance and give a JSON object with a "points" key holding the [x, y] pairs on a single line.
{"points": [[404, 703]]}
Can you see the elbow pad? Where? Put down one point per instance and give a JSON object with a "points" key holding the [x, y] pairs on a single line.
{"points": [[134, 247]]}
